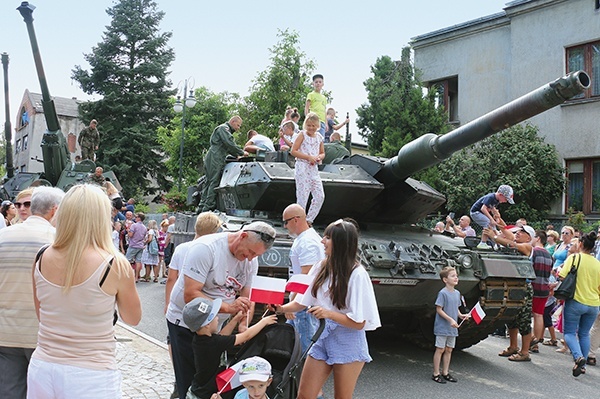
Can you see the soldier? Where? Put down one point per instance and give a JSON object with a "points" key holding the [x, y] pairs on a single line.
{"points": [[88, 140], [335, 149], [221, 144], [97, 177]]}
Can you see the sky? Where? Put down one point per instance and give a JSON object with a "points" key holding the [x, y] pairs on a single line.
{"points": [[223, 45]]}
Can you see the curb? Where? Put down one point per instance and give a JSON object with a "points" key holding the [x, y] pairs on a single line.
{"points": [[140, 334]]}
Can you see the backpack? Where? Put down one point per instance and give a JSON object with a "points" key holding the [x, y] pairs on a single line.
{"points": [[153, 245]]}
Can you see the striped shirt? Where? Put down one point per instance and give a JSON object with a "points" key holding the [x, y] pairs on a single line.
{"points": [[18, 246]]}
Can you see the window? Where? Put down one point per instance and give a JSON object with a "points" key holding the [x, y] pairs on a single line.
{"points": [[24, 118], [586, 57], [447, 95], [583, 191], [18, 146], [24, 143], [597, 5]]}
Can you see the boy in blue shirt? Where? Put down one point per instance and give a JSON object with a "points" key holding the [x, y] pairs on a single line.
{"points": [[482, 209], [445, 326]]}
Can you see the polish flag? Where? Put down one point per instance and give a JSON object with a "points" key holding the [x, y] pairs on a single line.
{"points": [[229, 378], [477, 313], [267, 290], [299, 283]]}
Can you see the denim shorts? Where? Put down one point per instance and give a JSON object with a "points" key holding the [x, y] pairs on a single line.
{"points": [[443, 341], [480, 219], [134, 254], [341, 345]]}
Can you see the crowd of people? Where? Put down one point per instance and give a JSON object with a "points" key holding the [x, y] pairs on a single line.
{"points": [[552, 257]]}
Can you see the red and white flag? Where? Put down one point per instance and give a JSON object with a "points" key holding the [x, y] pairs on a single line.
{"points": [[477, 313], [299, 283], [267, 290], [229, 378]]}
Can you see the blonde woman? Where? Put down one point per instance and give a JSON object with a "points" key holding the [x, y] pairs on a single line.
{"points": [[567, 233], [23, 205], [77, 282], [150, 260]]}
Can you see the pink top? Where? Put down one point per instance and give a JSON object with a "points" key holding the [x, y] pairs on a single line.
{"points": [[76, 327]]}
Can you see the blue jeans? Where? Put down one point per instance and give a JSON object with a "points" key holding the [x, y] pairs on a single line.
{"points": [[578, 320], [322, 129], [306, 325]]}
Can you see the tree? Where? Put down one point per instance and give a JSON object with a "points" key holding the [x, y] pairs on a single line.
{"points": [[285, 82], [397, 111], [516, 156], [210, 111], [129, 69]]}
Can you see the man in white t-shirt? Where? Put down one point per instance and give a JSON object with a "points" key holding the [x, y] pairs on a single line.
{"points": [[306, 250], [258, 142], [214, 266]]}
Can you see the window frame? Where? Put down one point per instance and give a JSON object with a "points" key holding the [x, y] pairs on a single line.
{"points": [[587, 67], [588, 185]]}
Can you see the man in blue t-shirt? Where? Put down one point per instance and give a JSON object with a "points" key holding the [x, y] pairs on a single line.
{"points": [[481, 211]]}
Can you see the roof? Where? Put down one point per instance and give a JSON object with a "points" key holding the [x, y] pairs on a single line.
{"points": [[64, 106]]}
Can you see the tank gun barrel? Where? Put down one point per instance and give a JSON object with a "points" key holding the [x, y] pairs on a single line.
{"points": [[54, 145], [431, 149]]}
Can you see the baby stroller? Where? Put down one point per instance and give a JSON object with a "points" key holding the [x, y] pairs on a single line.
{"points": [[279, 344]]}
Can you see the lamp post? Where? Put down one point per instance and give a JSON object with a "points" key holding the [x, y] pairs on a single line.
{"points": [[180, 106]]}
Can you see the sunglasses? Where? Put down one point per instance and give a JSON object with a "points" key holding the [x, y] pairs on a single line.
{"points": [[565, 232], [26, 204], [286, 221], [267, 238]]}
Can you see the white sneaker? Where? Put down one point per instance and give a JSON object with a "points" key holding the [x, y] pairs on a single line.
{"points": [[483, 245]]}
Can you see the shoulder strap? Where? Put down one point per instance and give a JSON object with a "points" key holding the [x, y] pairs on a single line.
{"points": [[38, 256], [105, 275]]}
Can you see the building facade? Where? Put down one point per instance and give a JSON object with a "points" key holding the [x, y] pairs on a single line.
{"points": [[30, 126], [482, 64]]}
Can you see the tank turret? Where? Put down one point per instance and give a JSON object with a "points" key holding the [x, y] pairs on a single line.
{"points": [[372, 189]]}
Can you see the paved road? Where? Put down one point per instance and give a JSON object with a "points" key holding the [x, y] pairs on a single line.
{"points": [[401, 370]]}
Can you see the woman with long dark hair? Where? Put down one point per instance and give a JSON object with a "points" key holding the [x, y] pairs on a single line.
{"points": [[581, 311], [342, 294]]}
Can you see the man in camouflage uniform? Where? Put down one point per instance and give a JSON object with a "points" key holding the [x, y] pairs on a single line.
{"points": [[97, 177], [335, 149], [88, 140], [221, 144]]}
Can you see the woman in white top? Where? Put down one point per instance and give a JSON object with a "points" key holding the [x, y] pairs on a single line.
{"points": [[342, 294], [77, 281]]}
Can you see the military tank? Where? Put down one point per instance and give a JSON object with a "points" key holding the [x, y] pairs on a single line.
{"points": [[59, 171], [403, 260]]}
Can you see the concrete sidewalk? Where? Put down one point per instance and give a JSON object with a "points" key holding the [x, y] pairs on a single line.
{"points": [[144, 364]]}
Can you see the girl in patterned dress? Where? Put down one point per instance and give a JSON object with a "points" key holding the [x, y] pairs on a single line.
{"points": [[309, 152]]}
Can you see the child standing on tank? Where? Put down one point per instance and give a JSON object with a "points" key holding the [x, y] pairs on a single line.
{"points": [[309, 151], [445, 327], [483, 209]]}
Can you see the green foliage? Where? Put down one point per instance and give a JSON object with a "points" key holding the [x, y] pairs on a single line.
{"points": [[129, 71], [577, 220], [285, 82], [211, 110], [397, 111], [516, 156], [175, 201], [2, 156]]}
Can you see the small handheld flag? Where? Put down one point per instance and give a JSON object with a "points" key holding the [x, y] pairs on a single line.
{"points": [[299, 283], [267, 290]]}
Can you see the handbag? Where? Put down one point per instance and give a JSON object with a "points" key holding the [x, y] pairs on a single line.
{"points": [[153, 246], [566, 289]]}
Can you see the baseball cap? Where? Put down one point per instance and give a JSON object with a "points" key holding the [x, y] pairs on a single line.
{"points": [[527, 229], [255, 369], [507, 191], [198, 312]]}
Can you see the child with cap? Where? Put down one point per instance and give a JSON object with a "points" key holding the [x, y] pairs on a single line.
{"points": [[255, 376], [482, 209], [200, 316]]}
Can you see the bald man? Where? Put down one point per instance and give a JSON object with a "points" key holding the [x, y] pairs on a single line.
{"points": [[221, 144]]}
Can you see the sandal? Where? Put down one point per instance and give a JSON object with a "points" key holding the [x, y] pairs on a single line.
{"points": [[551, 342], [509, 352], [438, 379], [448, 377], [534, 349], [591, 361], [579, 365], [519, 357], [534, 342]]}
